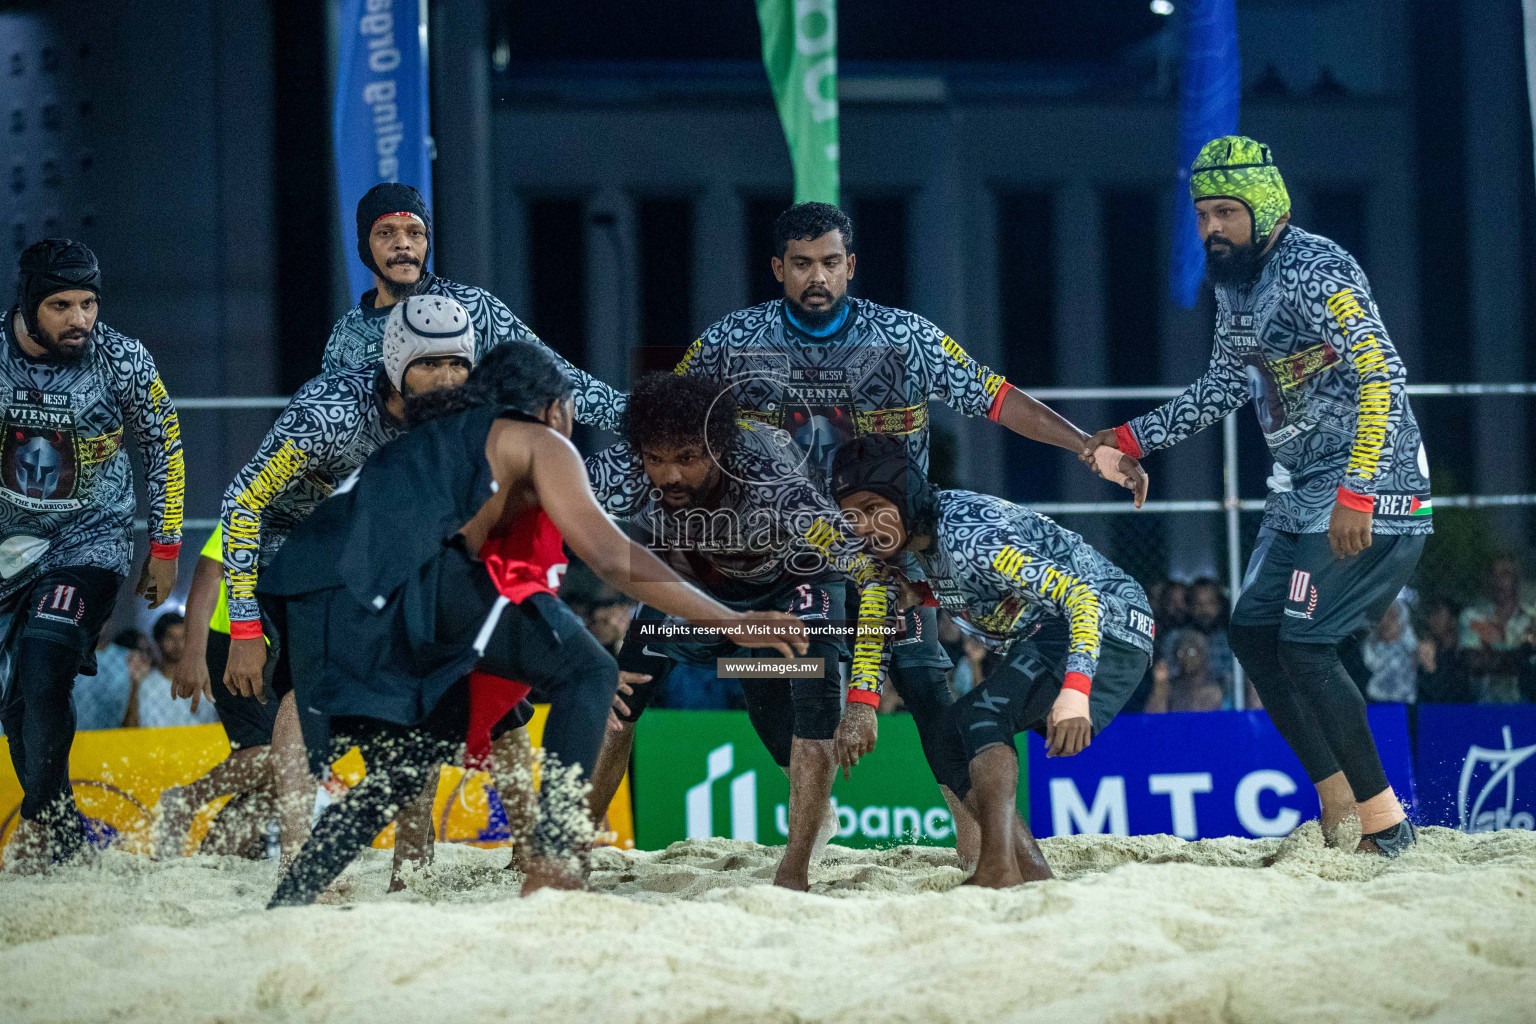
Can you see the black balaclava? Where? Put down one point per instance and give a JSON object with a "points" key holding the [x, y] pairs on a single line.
{"points": [[381, 201], [880, 464], [53, 265]]}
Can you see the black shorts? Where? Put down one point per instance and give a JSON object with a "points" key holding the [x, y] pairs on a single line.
{"points": [[247, 720], [1294, 581], [70, 606], [1018, 695]]}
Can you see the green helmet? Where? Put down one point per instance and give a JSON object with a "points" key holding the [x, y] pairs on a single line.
{"points": [[1237, 167]]}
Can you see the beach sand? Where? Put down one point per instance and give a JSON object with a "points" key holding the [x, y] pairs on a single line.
{"points": [[1148, 928]]}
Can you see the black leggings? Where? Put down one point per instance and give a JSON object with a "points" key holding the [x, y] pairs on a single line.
{"points": [[1315, 705]]}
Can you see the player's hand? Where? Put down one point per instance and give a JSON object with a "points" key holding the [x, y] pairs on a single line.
{"points": [[1349, 531], [627, 683], [1118, 468], [242, 675], [856, 733], [787, 634], [1103, 439], [1068, 729], [156, 580], [190, 680]]}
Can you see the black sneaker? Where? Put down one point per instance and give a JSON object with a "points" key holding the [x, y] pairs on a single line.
{"points": [[1391, 842]]}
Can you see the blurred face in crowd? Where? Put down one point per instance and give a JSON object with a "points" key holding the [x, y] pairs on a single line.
{"points": [[399, 246], [1205, 607], [1175, 610], [815, 275], [1391, 625], [1443, 626], [64, 321], [1504, 580], [172, 642], [1192, 655], [685, 474], [876, 521]]}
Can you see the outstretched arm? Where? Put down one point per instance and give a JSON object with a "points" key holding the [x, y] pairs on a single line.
{"points": [[560, 480]]}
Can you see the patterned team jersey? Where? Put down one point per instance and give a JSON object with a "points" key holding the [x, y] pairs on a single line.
{"points": [[331, 425], [1000, 568], [1306, 343], [769, 528], [876, 374], [358, 340], [65, 477]]}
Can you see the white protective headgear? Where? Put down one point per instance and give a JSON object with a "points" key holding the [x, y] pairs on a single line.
{"points": [[424, 327]]}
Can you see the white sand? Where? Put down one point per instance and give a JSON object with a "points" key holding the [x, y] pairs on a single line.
{"points": [[1143, 929]]}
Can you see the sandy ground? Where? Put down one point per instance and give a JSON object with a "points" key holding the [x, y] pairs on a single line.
{"points": [[1142, 929]]}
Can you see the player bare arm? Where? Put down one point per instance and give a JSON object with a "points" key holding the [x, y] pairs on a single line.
{"points": [[191, 675], [559, 479], [157, 431]]}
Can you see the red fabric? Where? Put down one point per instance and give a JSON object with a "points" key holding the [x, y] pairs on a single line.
{"points": [[1126, 441], [166, 551], [526, 558], [490, 698], [860, 696], [400, 213], [1358, 502], [1077, 681], [997, 402], [244, 629]]}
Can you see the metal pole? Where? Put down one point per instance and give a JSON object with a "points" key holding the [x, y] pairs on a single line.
{"points": [[1234, 547]]}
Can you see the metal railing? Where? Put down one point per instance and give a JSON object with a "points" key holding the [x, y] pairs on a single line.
{"points": [[1229, 504]]}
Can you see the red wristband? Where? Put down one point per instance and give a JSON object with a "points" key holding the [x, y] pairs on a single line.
{"points": [[1126, 441], [1358, 502], [1077, 681], [996, 408], [244, 629], [857, 695], [166, 551]]}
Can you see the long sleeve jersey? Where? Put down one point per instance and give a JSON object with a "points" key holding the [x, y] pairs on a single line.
{"points": [[1000, 569], [876, 374], [66, 483], [768, 527], [357, 340], [1306, 342], [329, 428]]}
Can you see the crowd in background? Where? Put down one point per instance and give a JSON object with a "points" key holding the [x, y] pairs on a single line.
{"points": [[1426, 649]]}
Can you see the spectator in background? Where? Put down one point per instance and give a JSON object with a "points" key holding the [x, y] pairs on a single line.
{"points": [[102, 700], [970, 667], [1208, 615], [157, 706], [1170, 610], [608, 620], [1443, 676], [1391, 655], [1492, 632], [1187, 685]]}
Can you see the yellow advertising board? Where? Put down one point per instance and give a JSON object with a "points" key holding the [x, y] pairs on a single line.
{"points": [[119, 774]]}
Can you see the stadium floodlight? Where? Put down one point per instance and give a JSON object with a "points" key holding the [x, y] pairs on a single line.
{"points": [[1163, 7]]}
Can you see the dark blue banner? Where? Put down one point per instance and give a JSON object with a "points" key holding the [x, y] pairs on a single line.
{"points": [[1476, 766], [1214, 773], [1210, 85], [382, 121]]}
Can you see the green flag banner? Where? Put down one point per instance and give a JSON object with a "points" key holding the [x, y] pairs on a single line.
{"points": [[800, 56], [705, 773]]}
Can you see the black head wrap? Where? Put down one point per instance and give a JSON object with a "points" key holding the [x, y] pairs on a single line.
{"points": [[54, 265], [880, 464], [382, 200]]}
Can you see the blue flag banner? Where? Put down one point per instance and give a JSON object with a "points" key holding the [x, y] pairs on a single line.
{"points": [[1210, 87], [1199, 775], [382, 120], [1476, 766]]}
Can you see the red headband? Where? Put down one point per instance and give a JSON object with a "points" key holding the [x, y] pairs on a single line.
{"points": [[401, 213]]}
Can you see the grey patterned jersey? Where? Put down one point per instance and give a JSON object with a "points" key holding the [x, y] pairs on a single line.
{"points": [[358, 340], [1306, 343], [876, 374], [65, 478], [768, 527], [331, 425], [1000, 568]]}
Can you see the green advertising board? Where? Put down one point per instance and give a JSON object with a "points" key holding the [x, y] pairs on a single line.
{"points": [[705, 773]]}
